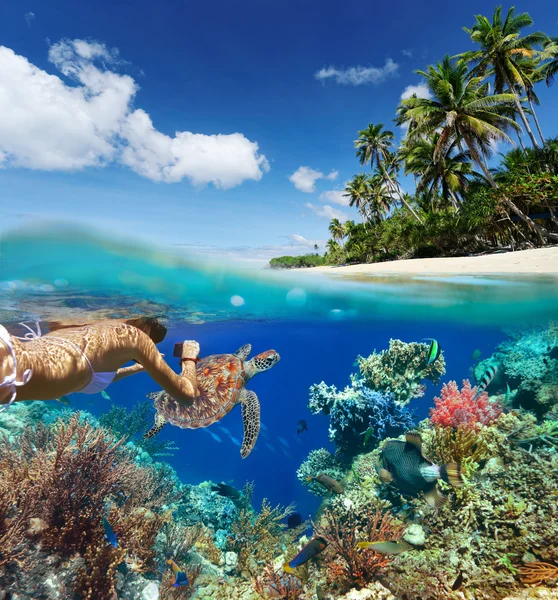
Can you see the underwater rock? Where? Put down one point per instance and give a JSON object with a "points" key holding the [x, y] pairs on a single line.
{"points": [[319, 461], [231, 562], [415, 535], [150, 592], [375, 591]]}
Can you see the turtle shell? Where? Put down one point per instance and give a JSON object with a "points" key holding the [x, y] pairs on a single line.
{"points": [[220, 378]]}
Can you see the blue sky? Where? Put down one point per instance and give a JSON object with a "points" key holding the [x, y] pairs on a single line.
{"points": [[213, 69]]}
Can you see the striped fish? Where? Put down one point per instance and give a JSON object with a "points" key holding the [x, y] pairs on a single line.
{"points": [[486, 379]]}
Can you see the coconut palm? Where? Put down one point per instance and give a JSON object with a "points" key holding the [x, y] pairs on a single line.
{"points": [[332, 246], [380, 199], [444, 173], [550, 68], [374, 146], [463, 113], [337, 230], [502, 48], [358, 192]]}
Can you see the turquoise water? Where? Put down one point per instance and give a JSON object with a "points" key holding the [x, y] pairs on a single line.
{"points": [[319, 326]]}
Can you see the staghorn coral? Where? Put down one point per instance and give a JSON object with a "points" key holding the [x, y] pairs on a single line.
{"points": [[275, 583], [355, 410], [319, 461], [351, 566], [456, 408], [400, 370]]}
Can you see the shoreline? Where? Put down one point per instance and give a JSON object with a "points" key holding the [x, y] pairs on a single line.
{"points": [[538, 261]]}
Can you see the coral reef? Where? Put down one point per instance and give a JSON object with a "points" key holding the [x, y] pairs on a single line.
{"points": [[319, 461], [358, 415], [455, 408], [400, 370], [274, 583]]}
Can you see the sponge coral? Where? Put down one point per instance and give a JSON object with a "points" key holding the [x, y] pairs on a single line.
{"points": [[460, 408]]}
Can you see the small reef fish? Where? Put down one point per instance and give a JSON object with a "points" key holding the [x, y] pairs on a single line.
{"points": [[272, 448], [302, 426], [263, 426], [283, 441], [213, 435], [312, 548], [294, 520], [330, 484], [476, 354], [433, 350], [386, 547], [486, 380], [227, 491], [235, 441], [64, 400], [404, 465], [225, 430], [180, 577], [109, 533], [367, 434], [507, 395], [105, 395]]}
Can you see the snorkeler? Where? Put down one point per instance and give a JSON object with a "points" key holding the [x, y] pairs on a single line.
{"points": [[86, 359]]}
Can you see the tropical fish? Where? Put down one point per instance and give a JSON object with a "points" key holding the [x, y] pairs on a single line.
{"points": [[272, 448], [225, 430], [105, 395], [312, 548], [330, 484], [227, 491], [294, 520], [180, 577], [109, 533], [64, 400], [404, 465], [213, 435], [476, 354], [367, 434], [486, 379], [263, 426], [283, 441], [507, 395], [433, 350], [393, 547], [235, 441], [355, 474], [302, 426]]}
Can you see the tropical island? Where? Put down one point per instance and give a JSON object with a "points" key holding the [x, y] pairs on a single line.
{"points": [[460, 206]]}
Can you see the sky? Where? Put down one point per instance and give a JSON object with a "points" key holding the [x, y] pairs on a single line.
{"points": [[221, 128]]}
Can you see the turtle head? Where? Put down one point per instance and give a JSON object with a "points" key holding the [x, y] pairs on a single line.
{"points": [[265, 361]]}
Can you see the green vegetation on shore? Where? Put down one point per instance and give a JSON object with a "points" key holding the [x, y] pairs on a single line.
{"points": [[459, 205]]}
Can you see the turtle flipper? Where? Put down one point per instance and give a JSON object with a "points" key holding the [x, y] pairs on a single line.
{"points": [[251, 421], [160, 422], [244, 351]]}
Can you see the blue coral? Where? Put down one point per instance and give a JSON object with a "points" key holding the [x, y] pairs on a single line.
{"points": [[354, 410]]}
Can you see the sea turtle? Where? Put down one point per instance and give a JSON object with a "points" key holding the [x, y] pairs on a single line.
{"points": [[221, 380]]}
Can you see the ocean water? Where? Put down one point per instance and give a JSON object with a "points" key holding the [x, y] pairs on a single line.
{"points": [[318, 325]]}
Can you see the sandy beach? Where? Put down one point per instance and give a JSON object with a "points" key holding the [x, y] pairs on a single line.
{"points": [[541, 261]]}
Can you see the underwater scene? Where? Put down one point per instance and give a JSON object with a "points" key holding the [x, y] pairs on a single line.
{"points": [[393, 439]]}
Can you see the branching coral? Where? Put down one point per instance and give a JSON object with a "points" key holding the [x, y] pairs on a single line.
{"points": [[536, 573], [457, 408], [275, 583], [352, 566], [167, 592], [400, 370], [355, 410], [319, 461]]}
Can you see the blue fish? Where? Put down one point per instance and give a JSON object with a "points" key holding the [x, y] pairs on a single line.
{"points": [[433, 350], [225, 430], [213, 435], [283, 441], [235, 441], [109, 534], [105, 395], [312, 548], [180, 577]]}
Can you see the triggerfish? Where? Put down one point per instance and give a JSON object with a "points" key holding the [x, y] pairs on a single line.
{"points": [[301, 426], [393, 547], [330, 484], [433, 351], [404, 465], [486, 379], [109, 534], [179, 575], [312, 548]]}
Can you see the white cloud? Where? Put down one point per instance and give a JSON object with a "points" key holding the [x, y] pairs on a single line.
{"points": [[327, 211], [29, 16], [304, 178], [50, 125], [335, 196], [407, 53], [421, 91], [359, 75]]}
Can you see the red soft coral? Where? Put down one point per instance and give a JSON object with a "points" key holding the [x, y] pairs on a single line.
{"points": [[460, 408]]}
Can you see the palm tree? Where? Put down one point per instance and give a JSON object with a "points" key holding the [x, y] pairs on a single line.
{"points": [[550, 68], [374, 146], [380, 200], [502, 48], [358, 192], [446, 173], [337, 230], [332, 247], [464, 114]]}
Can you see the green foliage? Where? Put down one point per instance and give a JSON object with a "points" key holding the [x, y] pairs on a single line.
{"points": [[297, 262]]}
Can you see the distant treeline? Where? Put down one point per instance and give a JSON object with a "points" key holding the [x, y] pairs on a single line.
{"points": [[297, 262]]}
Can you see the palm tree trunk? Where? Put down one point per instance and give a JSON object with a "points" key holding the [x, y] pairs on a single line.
{"points": [[520, 140], [403, 201], [536, 120], [523, 116], [541, 233]]}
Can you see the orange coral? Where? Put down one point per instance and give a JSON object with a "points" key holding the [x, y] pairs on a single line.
{"points": [[275, 583], [536, 573]]}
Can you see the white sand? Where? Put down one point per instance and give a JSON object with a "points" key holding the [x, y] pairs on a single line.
{"points": [[542, 261]]}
